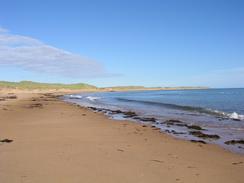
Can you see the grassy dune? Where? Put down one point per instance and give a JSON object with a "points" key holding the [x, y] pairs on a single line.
{"points": [[35, 85], [30, 85]]}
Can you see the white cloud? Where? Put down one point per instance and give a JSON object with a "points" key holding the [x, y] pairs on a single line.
{"points": [[33, 55]]}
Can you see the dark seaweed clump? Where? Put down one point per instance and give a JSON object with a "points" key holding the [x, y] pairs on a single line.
{"points": [[129, 114], [194, 127], [6, 141], [175, 122], [203, 135], [233, 142], [199, 141]]}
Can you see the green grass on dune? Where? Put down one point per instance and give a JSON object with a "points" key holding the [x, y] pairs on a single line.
{"points": [[35, 85], [30, 85]]}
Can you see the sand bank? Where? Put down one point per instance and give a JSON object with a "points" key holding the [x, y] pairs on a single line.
{"points": [[58, 142]]}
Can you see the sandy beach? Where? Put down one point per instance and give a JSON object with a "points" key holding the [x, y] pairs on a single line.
{"points": [[53, 141]]}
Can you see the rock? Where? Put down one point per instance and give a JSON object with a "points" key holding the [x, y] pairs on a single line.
{"points": [[199, 141], [147, 119], [6, 141], [173, 122], [195, 127], [92, 108], [177, 133], [233, 142], [116, 112], [129, 114], [203, 135]]}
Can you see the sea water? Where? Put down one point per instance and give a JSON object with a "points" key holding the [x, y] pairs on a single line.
{"points": [[217, 111]]}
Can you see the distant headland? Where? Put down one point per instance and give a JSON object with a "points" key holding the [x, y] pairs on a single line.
{"points": [[30, 85]]}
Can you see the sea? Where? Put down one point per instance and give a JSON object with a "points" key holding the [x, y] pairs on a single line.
{"points": [[181, 113]]}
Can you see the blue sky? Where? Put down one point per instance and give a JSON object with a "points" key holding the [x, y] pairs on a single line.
{"points": [[107, 43]]}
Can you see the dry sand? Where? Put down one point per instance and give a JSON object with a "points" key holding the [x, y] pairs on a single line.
{"points": [[56, 142]]}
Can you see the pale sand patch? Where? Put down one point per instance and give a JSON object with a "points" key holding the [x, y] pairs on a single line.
{"points": [[56, 142]]}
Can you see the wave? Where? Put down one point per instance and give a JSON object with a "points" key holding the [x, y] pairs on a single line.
{"points": [[234, 115], [92, 98], [75, 97]]}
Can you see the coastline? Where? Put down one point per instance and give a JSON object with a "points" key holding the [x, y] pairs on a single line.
{"points": [[55, 141]]}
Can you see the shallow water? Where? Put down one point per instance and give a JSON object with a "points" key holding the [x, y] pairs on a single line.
{"points": [[218, 111]]}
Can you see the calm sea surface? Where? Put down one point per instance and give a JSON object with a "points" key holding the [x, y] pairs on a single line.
{"points": [[218, 111]]}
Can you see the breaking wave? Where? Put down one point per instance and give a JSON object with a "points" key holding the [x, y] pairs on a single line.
{"points": [[75, 97], [234, 115], [92, 98]]}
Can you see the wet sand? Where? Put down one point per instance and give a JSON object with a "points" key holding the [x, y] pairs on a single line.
{"points": [[54, 141]]}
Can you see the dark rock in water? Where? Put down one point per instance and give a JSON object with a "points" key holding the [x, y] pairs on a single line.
{"points": [[177, 133], [92, 108], [116, 112], [180, 124], [195, 127], [199, 141], [6, 141], [148, 119], [168, 131], [129, 114], [233, 142], [236, 119], [173, 122], [203, 135], [99, 110], [137, 118]]}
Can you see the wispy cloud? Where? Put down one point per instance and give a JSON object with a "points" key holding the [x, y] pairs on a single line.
{"points": [[3, 30], [34, 55]]}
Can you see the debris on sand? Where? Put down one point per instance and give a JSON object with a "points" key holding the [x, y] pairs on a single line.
{"points": [[36, 105], [6, 141]]}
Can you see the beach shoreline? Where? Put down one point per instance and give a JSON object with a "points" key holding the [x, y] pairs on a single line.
{"points": [[193, 122], [56, 141]]}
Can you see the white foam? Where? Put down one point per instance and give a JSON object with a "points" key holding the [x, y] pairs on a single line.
{"points": [[236, 116], [92, 98], [75, 97]]}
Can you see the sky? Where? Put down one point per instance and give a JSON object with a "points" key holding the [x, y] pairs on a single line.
{"points": [[123, 42]]}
